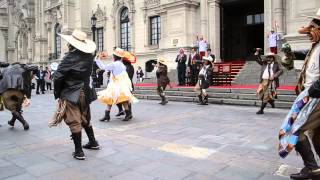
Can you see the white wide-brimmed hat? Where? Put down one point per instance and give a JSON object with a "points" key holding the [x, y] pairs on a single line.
{"points": [[79, 40], [317, 16], [276, 57], [162, 61], [208, 58], [118, 52]]}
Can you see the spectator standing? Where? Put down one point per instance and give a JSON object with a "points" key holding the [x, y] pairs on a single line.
{"points": [[181, 60], [194, 64], [139, 74], [209, 53], [48, 79], [40, 80], [273, 37], [202, 44]]}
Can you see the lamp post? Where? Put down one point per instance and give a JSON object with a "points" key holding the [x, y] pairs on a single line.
{"points": [[93, 27], [95, 84]]}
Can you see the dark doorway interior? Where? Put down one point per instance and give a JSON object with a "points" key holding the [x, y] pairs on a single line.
{"points": [[242, 24]]}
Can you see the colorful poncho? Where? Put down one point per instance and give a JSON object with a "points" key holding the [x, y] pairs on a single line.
{"points": [[289, 132]]}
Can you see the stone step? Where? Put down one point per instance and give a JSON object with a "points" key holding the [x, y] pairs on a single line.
{"points": [[215, 90], [215, 100], [221, 95]]}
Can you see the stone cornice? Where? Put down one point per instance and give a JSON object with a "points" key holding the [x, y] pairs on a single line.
{"points": [[295, 37], [180, 3]]}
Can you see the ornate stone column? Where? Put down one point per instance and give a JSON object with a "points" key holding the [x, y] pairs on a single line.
{"points": [[214, 28], [278, 20], [5, 35], [204, 18]]}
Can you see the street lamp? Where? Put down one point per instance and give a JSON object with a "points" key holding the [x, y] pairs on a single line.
{"points": [[95, 67], [93, 26]]}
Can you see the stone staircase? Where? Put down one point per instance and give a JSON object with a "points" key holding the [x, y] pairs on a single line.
{"points": [[230, 96], [251, 72]]}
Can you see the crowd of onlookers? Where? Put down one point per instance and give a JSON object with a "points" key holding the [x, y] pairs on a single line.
{"points": [[42, 80], [189, 65]]}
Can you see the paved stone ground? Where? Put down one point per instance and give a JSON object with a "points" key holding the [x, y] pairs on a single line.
{"points": [[178, 141]]}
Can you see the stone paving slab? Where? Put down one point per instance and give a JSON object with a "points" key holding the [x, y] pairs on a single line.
{"points": [[177, 141]]}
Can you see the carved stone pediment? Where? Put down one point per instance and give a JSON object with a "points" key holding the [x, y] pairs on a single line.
{"points": [[100, 14]]}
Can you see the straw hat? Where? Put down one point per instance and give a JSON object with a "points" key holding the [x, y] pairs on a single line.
{"points": [[118, 52], [277, 58], [162, 60], [79, 40], [208, 58]]}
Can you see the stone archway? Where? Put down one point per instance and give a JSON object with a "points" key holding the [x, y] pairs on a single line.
{"points": [[118, 5], [149, 68]]}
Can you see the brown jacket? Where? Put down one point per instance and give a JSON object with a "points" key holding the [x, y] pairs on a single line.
{"points": [[162, 76], [277, 70]]}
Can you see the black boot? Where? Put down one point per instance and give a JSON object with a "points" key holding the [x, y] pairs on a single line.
{"points": [[304, 149], [130, 108], [121, 112], [106, 116], [22, 120], [271, 103], [263, 105], [205, 100], [200, 99], [164, 100], [13, 120], [78, 153], [92, 144], [128, 116]]}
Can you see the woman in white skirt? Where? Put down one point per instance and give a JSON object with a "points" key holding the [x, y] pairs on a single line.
{"points": [[119, 88]]}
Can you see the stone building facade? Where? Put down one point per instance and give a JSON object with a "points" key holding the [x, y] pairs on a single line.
{"points": [[149, 28]]}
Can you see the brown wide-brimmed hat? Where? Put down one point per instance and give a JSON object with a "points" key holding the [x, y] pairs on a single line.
{"points": [[79, 40]]}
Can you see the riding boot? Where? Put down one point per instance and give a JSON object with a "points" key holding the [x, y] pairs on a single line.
{"points": [[205, 100], [271, 101], [304, 149], [164, 100], [22, 120], [130, 108], [78, 153], [13, 120], [106, 116], [263, 105], [128, 116], [92, 144], [121, 112]]}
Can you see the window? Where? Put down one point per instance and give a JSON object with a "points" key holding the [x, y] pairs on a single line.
{"points": [[255, 19], [99, 39], [155, 30], [125, 30], [57, 41]]}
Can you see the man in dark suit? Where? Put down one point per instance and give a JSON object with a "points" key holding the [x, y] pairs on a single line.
{"points": [[194, 64], [269, 78], [40, 80]]}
